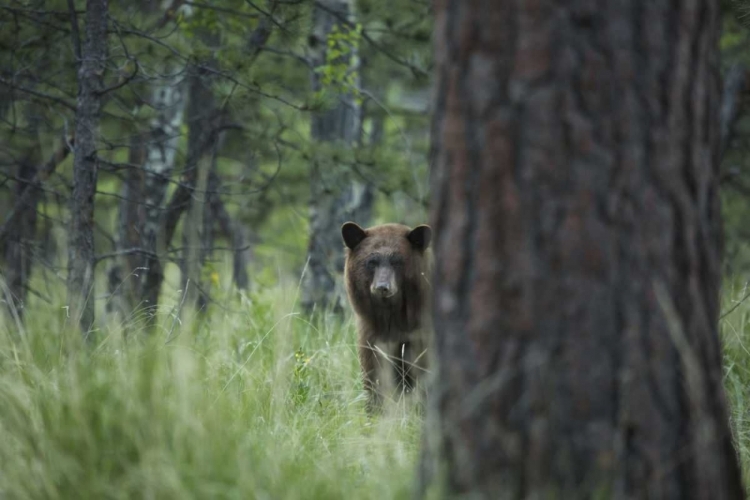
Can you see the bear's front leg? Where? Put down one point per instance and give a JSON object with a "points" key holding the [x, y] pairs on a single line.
{"points": [[369, 363]]}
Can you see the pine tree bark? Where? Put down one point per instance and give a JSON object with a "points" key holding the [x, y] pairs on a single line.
{"points": [[336, 195], [578, 242], [91, 65]]}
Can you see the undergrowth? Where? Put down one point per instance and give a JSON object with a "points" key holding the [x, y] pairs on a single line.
{"points": [[251, 400]]}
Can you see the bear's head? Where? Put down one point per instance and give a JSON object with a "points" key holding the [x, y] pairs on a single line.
{"points": [[385, 263]]}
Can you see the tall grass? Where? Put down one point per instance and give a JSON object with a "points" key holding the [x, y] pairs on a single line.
{"points": [[735, 335], [249, 401]]}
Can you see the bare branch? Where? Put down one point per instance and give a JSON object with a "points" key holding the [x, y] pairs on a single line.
{"points": [[36, 93], [42, 175]]}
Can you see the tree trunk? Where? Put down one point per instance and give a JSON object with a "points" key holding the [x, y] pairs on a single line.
{"points": [[217, 220], [236, 234], [160, 161], [135, 281], [124, 277], [20, 246], [202, 116], [141, 274], [91, 60], [337, 195], [578, 243]]}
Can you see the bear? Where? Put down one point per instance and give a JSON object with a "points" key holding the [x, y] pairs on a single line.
{"points": [[386, 272]]}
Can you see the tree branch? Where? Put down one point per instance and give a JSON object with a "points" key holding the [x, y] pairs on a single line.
{"points": [[35, 93], [9, 226]]}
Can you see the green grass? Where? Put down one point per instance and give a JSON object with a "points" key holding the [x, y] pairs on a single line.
{"points": [[735, 336], [253, 401], [250, 401]]}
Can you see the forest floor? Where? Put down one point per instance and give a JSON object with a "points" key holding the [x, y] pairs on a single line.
{"points": [[252, 401]]}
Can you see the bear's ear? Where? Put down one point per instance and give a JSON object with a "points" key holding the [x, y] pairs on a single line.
{"points": [[420, 236], [352, 234]]}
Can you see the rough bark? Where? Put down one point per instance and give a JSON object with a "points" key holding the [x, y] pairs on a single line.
{"points": [[91, 66], [336, 195], [578, 242]]}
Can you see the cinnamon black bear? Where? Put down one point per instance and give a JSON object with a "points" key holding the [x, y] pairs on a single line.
{"points": [[387, 274]]}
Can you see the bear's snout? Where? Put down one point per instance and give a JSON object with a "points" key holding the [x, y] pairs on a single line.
{"points": [[383, 289], [384, 283]]}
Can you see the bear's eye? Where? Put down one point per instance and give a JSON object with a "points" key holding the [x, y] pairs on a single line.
{"points": [[372, 263], [396, 261]]}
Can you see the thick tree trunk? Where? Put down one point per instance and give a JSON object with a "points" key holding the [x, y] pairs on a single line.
{"points": [[337, 195], [578, 242], [92, 59]]}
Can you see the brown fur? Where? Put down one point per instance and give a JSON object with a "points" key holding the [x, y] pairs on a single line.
{"points": [[395, 331]]}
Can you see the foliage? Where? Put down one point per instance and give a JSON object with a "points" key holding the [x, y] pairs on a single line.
{"points": [[336, 73]]}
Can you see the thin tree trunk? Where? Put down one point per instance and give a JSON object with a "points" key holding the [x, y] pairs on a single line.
{"points": [[578, 243], [336, 195], [140, 275], [20, 246], [18, 241], [160, 163], [202, 116], [124, 277], [91, 59], [234, 231], [135, 281], [236, 234], [200, 137]]}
